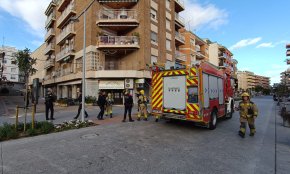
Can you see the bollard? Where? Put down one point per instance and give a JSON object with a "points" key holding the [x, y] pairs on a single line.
{"points": [[16, 118]]}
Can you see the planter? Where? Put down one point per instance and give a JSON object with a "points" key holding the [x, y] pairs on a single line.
{"points": [[62, 105], [89, 104]]}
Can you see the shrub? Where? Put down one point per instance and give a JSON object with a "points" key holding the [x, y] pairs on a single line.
{"points": [[8, 131], [46, 127], [31, 132], [90, 99]]}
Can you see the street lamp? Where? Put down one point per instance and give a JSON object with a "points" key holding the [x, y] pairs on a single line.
{"points": [[76, 19]]}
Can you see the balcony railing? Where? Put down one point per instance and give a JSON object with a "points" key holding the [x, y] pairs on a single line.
{"points": [[180, 56], [179, 5], [179, 19], [66, 52], [288, 53], [49, 63], [62, 5], [117, 15], [288, 46], [118, 41], [223, 56], [179, 37], [67, 32], [49, 48], [104, 1], [51, 5], [68, 12], [49, 20], [50, 33]]}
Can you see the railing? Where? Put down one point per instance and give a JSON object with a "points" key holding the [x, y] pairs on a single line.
{"points": [[120, 65], [65, 13], [118, 40], [179, 18], [66, 31], [179, 36], [49, 33], [49, 18], [117, 1], [117, 14], [180, 56], [64, 53], [49, 63], [49, 47]]}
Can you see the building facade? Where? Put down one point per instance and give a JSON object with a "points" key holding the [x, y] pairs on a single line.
{"points": [[10, 67], [122, 38], [249, 80]]}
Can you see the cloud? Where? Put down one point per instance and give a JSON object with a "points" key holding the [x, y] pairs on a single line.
{"points": [[266, 45], [203, 15], [274, 72], [245, 42], [29, 11]]}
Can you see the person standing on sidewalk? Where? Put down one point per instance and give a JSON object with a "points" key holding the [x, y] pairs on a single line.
{"points": [[109, 105], [49, 99], [101, 103], [80, 107], [128, 106], [248, 114]]}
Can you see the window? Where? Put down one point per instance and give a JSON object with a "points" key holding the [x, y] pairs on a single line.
{"points": [[13, 62], [192, 42], [154, 37], [13, 70], [168, 24], [168, 44], [153, 14], [153, 59], [79, 64], [13, 76], [168, 4], [4, 61], [192, 95]]}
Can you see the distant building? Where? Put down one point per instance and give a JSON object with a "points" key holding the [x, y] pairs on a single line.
{"points": [[249, 80]]}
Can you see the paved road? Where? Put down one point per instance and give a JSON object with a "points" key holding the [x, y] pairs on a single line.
{"points": [[149, 147]]}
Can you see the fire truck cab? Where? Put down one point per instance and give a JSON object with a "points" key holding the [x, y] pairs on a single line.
{"points": [[202, 94]]}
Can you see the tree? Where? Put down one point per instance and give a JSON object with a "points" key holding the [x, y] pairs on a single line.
{"points": [[25, 64]]}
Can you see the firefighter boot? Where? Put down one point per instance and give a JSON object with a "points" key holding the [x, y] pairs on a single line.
{"points": [[111, 115], [241, 134], [252, 132]]}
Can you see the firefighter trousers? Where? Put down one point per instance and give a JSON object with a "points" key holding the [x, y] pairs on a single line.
{"points": [[142, 111], [251, 123], [109, 110]]}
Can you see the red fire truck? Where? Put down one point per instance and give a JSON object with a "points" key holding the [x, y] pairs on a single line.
{"points": [[202, 94]]}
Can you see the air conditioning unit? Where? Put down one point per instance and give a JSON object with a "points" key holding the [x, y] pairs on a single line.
{"points": [[129, 83]]}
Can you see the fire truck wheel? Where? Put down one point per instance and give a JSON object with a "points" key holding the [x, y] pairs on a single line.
{"points": [[213, 120]]}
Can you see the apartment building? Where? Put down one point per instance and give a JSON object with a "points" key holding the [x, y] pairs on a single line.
{"points": [[194, 48], [40, 74], [122, 37], [10, 67], [288, 50], [249, 80]]}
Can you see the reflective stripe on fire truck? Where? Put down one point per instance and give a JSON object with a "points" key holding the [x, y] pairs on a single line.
{"points": [[157, 98], [174, 111]]}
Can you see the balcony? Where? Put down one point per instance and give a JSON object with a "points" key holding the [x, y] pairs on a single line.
{"points": [[180, 40], [65, 54], [179, 21], [50, 7], [49, 63], [223, 56], [117, 19], [66, 33], [288, 46], [62, 5], [288, 53], [49, 48], [117, 4], [65, 15], [50, 34], [180, 56], [118, 42], [50, 19], [179, 5]]}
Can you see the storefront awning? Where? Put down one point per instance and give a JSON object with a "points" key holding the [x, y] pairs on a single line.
{"points": [[71, 83]]}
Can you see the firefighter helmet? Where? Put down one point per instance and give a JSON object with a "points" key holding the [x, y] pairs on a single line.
{"points": [[245, 94], [142, 92]]}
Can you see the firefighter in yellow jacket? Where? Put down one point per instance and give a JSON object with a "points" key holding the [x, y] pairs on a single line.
{"points": [[142, 100], [248, 114]]}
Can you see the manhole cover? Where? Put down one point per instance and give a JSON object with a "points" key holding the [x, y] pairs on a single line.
{"points": [[90, 136]]}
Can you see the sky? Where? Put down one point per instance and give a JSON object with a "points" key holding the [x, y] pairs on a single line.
{"points": [[256, 31]]}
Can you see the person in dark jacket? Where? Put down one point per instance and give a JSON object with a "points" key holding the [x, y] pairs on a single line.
{"points": [[80, 107], [101, 103], [49, 99], [128, 106]]}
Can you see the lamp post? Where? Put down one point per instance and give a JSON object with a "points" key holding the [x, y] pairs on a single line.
{"points": [[76, 19]]}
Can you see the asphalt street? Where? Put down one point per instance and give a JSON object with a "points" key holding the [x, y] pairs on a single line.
{"points": [[149, 147]]}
